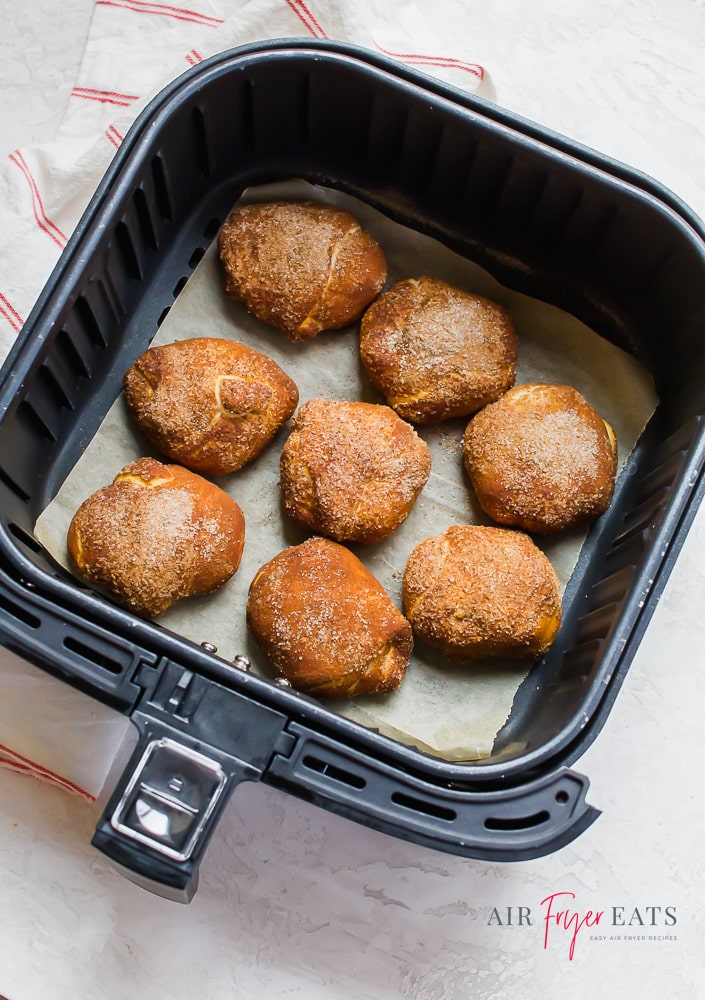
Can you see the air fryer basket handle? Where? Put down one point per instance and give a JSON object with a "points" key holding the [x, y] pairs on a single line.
{"points": [[161, 815], [526, 821], [197, 740]]}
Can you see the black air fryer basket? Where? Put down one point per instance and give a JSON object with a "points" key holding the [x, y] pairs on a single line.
{"points": [[546, 217]]}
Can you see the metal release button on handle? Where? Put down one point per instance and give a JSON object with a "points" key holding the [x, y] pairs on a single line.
{"points": [[169, 798]]}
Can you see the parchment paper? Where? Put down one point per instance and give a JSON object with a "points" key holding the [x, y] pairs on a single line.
{"points": [[450, 710]]}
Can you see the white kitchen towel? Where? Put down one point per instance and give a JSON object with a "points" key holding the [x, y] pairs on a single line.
{"points": [[133, 49]]}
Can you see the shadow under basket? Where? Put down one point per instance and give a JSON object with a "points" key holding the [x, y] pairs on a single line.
{"points": [[545, 217]]}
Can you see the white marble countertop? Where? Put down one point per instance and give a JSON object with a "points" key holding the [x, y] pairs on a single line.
{"points": [[296, 902]]}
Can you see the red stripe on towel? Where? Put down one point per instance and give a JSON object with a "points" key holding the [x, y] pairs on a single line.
{"points": [[447, 62], [10, 314], [44, 223], [105, 96], [113, 136], [308, 19], [164, 10], [44, 772], [13, 765]]}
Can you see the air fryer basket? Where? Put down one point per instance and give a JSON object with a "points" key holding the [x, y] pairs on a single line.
{"points": [[543, 215]]}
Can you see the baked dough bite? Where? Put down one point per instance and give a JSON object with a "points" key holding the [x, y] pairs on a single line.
{"points": [[208, 403], [476, 592], [437, 352], [326, 624], [156, 534], [302, 267], [541, 458], [351, 470]]}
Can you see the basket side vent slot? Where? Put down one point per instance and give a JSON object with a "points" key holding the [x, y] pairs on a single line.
{"points": [[211, 229], [385, 135], [645, 516], [597, 624], [163, 316], [24, 536], [657, 270], [200, 143], [128, 251], [89, 322], [424, 806], [580, 661], [662, 477], [452, 164], [517, 823], [332, 771], [196, 257], [420, 152], [588, 227], [8, 481], [485, 183], [96, 656], [556, 203], [31, 417], [613, 589], [54, 388], [161, 189], [72, 355], [113, 295], [522, 195], [681, 440], [19, 613], [144, 220], [626, 553]]}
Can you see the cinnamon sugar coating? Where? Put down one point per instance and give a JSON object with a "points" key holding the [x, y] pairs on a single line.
{"points": [[302, 267], [476, 592], [437, 352], [208, 403], [351, 471], [156, 534], [541, 458], [324, 621]]}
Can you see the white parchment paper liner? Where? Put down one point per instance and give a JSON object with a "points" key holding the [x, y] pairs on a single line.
{"points": [[450, 710]]}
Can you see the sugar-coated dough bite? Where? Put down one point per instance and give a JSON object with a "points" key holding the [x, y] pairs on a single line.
{"points": [[156, 534], [541, 458], [476, 592], [351, 471], [437, 352], [302, 267], [208, 403], [326, 624]]}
